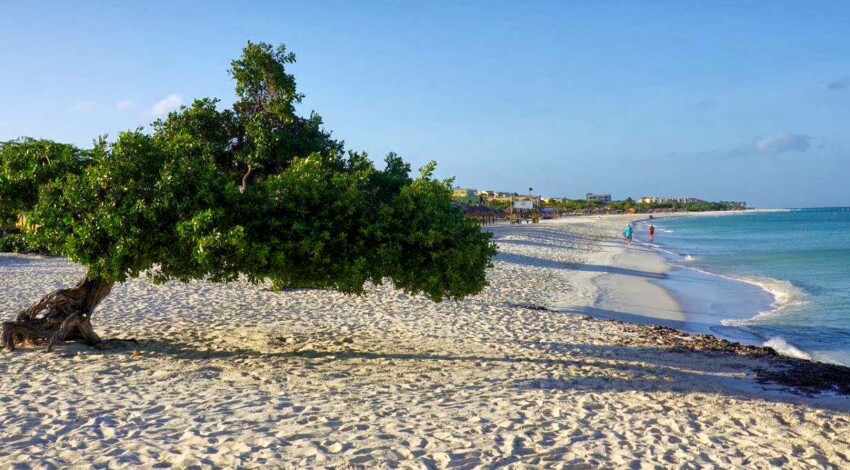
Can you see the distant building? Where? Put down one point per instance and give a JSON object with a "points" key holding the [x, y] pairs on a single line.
{"points": [[690, 200], [661, 200], [599, 197], [463, 192]]}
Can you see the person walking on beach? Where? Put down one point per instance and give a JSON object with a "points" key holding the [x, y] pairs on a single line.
{"points": [[628, 234], [651, 233]]}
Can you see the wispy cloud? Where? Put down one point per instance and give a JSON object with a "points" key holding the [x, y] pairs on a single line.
{"points": [[840, 84], [125, 104], [84, 105], [165, 106], [776, 144], [781, 143], [770, 145]]}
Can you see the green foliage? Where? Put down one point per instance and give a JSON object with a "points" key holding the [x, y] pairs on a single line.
{"points": [[498, 204], [629, 203], [428, 245], [620, 205], [702, 206], [25, 165], [260, 192], [14, 243], [473, 200], [714, 206], [268, 133], [577, 205]]}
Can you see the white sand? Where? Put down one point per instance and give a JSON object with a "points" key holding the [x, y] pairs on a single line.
{"points": [[235, 375]]}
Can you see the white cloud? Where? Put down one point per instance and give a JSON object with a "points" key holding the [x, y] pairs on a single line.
{"points": [[781, 143], [163, 107], [84, 105], [125, 104]]}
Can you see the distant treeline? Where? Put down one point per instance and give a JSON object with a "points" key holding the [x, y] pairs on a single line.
{"points": [[629, 203], [695, 206], [581, 205]]}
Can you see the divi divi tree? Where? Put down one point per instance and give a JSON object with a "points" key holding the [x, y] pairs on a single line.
{"points": [[256, 193]]}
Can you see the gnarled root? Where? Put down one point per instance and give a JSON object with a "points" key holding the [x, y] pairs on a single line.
{"points": [[64, 314]]}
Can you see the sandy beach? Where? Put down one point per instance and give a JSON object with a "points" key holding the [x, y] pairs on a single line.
{"points": [[526, 374]]}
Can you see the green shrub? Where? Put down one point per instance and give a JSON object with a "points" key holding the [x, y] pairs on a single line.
{"points": [[13, 243]]}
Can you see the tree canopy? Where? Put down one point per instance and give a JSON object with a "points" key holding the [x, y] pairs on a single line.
{"points": [[25, 165], [254, 191]]}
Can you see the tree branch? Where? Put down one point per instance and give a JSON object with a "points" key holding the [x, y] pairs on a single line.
{"points": [[246, 180]]}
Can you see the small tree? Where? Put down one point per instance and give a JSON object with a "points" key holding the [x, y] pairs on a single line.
{"points": [[255, 192], [26, 164]]}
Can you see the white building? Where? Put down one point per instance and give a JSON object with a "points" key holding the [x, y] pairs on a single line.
{"points": [[599, 197], [690, 200]]}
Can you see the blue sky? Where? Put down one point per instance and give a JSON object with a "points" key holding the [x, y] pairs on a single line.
{"points": [[732, 100]]}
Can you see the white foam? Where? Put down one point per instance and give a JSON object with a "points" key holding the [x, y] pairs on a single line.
{"points": [[786, 349], [785, 295], [664, 250]]}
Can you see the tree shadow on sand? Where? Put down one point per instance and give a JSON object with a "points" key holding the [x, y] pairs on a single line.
{"points": [[547, 263], [571, 246], [562, 242], [542, 232], [563, 367]]}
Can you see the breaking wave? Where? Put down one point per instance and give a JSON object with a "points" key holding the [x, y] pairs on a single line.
{"points": [[785, 295], [786, 349]]}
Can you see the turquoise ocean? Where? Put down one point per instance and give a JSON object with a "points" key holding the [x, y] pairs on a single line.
{"points": [[780, 279]]}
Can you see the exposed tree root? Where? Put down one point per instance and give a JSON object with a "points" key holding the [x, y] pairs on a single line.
{"points": [[58, 316]]}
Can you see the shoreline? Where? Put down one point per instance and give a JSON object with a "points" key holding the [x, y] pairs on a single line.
{"points": [[641, 299], [629, 292], [731, 306], [666, 308]]}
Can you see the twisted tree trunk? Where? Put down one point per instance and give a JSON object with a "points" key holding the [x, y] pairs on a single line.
{"points": [[64, 314]]}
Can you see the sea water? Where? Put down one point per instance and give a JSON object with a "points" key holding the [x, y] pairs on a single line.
{"points": [[780, 279]]}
